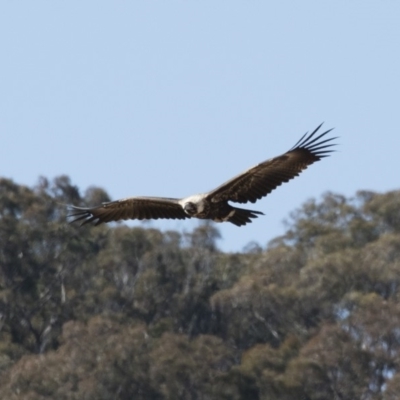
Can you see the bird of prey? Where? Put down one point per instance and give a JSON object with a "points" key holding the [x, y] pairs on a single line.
{"points": [[249, 186]]}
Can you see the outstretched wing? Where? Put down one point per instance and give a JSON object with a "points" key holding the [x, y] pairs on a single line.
{"points": [[262, 179], [130, 208]]}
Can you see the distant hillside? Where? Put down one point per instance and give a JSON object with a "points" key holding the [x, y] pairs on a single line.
{"points": [[113, 312]]}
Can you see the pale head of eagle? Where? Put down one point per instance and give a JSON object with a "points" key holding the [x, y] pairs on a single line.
{"points": [[194, 205], [190, 208]]}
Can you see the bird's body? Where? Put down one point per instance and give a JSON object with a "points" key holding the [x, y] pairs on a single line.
{"points": [[249, 186]]}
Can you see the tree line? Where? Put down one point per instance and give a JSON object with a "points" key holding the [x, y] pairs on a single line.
{"points": [[118, 312]]}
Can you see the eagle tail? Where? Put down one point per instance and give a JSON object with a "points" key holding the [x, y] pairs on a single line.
{"points": [[242, 217]]}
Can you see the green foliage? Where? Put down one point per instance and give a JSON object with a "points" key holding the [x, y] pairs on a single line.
{"points": [[113, 312]]}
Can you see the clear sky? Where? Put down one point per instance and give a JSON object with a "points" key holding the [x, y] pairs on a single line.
{"points": [[171, 98]]}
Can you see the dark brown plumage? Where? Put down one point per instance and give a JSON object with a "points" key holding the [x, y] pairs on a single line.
{"points": [[249, 186]]}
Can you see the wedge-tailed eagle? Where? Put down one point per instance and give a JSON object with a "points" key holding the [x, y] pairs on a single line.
{"points": [[249, 186]]}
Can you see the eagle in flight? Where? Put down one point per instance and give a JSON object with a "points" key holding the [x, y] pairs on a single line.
{"points": [[249, 186]]}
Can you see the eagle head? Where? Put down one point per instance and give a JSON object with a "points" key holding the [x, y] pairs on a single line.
{"points": [[190, 208]]}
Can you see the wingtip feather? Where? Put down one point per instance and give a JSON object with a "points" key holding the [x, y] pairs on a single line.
{"points": [[317, 147]]}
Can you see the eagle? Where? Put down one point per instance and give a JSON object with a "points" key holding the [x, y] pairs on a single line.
{"points": [[249, 186]]}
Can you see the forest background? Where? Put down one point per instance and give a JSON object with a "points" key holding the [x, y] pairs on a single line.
{"points": [[118, 312]]}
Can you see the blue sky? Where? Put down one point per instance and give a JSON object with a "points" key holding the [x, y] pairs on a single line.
{"points": [[171, 98]]}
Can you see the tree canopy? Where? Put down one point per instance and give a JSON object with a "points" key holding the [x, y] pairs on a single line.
{"points": [[119, 312]]}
